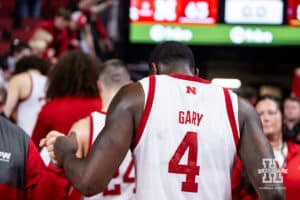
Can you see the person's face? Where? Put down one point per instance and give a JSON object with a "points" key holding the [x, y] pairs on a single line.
{"points": [[291, 110], [61, 23], [270, 116]]}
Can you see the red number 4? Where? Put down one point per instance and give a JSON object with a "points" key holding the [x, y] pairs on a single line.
{"points": [[190, 144]]}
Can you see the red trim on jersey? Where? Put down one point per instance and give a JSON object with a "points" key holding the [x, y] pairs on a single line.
{"points": [[189, 78], [231, 116], [126, 177], [102, 112], [31, 89], [147, 110], [91, 132]]}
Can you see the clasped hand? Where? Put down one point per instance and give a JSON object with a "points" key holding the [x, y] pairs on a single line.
{"points": [[59, 146]]}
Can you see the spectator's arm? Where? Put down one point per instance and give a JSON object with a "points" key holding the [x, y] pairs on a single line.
{"points": [[98, 8], [41, 183], [13, 95]]}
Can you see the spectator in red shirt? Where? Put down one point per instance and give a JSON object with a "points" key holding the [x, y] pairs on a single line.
{"points": [[72, 94], [287, 153], [57, 28], [76, 32], [100, 43]]}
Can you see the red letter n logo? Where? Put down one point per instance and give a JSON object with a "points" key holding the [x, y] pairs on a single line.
{"points": [[190, 90]]}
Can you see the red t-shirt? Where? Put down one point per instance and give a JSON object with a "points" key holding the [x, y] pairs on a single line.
{"points": [[61, 113], [291, 179]]}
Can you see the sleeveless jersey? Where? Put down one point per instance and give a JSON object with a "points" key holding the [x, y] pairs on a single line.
{"points": [[122, 185], [186, 141], [29, 108]]}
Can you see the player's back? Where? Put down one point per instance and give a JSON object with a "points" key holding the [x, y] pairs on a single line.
{"points": [[185, 145], [29, 108]]}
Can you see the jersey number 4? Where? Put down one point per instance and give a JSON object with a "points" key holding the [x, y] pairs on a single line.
{"points": [[191, 169]]}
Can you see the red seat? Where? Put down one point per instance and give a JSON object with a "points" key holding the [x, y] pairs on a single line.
{"points": [[19, 34], [7, 8], [4, 48], [6, 23]]}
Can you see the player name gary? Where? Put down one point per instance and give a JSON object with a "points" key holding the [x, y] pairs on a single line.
{"points": [[189, 117]]}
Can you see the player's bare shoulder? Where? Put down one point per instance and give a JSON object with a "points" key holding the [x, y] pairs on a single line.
{"points": [[130, 97]]}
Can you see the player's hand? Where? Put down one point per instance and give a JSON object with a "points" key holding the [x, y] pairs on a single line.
{"points": [[65, 146]]}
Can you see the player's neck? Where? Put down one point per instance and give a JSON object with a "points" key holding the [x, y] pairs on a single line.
{"points": [[186, 70], [106, 98]]}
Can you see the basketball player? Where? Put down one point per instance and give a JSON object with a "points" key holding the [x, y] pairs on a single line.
{"points": [[113, 76], [184, 132], [26, 91]]}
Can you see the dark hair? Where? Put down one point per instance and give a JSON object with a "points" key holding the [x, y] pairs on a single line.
{"points": [[3, 94], [114, 72], [275, 99], [292, 98], [171, 53], [3, 63], [64, 13], [32, 62], [17, 46], [75, 74]]}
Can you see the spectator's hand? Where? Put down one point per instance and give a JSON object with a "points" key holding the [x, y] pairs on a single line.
{"points": [[75, 43], [109, 3], [64, 147], [106, 45]]}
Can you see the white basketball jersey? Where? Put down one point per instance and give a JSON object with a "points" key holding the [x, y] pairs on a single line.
{"points": [[28, 109], [122, 185], [185, 146]]}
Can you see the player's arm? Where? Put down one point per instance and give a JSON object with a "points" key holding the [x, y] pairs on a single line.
{"points": [[253, 148], [82, 130], [13, 95], [91, 175]]}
